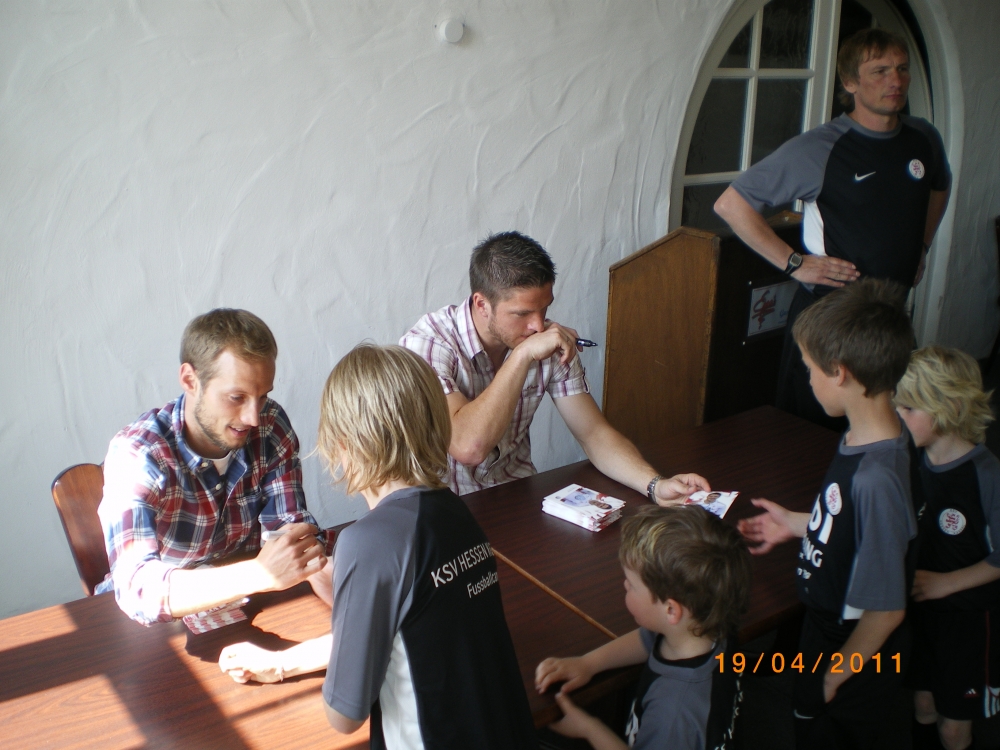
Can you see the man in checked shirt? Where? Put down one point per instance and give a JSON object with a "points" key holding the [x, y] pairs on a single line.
{"points": [[497, 355], [196, 481]]}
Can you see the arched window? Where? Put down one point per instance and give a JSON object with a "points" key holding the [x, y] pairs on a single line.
{"points": [[771, 75]]}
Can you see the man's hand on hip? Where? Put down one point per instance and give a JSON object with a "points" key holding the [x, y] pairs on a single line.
{"points": [[555, 338], [822, 269]]}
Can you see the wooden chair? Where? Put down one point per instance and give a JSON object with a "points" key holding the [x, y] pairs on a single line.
{"points": [[77, 492]]}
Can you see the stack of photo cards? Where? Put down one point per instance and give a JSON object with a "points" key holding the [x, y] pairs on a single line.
{"points": [[591, 510], [714, 502], [216, 617]]}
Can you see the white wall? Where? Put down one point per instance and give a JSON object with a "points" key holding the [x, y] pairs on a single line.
{"points": [[328, 165], [969, 313]]}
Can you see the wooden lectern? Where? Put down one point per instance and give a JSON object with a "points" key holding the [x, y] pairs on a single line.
{"points": [[695, 330]]}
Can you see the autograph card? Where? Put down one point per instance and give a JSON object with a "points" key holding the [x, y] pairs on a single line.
{"points": [[714, 502]]}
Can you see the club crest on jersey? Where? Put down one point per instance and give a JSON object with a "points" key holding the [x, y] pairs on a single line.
{"points": [[951, 521], [834, 502], [916, 169]]}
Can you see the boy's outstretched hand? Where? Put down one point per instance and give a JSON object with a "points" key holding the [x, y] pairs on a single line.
{"points": [[775, 526], [573, 670], [578, 723]]}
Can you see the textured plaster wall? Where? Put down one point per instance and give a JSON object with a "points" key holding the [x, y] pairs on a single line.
{"points": [[328, 165], [969, 315]]}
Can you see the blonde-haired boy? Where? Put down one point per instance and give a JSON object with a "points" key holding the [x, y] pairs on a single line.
{"points": [[419, 641], [957, 582], [687, 581]]}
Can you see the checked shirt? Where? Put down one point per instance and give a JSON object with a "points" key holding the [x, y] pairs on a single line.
{"points": [[165, 507], [448, 341]]}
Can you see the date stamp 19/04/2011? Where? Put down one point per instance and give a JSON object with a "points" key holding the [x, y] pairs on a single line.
{"points": [[837, 662]]}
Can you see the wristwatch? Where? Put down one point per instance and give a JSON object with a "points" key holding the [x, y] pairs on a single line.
{"points": [[651, 488], [794, 261]]}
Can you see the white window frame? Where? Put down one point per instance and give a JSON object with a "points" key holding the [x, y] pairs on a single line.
{"points": [[821, 76]]}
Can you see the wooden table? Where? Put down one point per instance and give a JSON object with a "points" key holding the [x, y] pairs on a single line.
{"points": [[761, 453], [83, 675]]}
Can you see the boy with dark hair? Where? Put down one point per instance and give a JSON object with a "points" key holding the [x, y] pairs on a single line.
{"points": [[687, 581], [852, 572], [957, 583]]}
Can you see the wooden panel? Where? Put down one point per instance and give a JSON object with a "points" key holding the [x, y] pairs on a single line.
{"points": [[760, 453], [660, 304], [743, 370]]}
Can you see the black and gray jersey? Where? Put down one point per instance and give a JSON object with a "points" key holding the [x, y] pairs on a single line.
{"points": [[959, 523], [420, 642], [687, 704], [854, 554], [865, 192]]}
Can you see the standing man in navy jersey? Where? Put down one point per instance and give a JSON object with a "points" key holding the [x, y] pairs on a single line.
{"points": [[874, 182]]}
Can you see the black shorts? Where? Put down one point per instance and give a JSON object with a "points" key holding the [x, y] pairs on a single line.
{"points": [[856, 714], [955, 657]]}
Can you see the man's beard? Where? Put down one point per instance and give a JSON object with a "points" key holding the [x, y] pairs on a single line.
{"points": [[499, 335], [213, 437]]}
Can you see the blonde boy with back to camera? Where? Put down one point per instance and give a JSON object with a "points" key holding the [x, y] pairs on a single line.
{"points": [[956, 587], [852, 573], [687, 581], [419, 641]]}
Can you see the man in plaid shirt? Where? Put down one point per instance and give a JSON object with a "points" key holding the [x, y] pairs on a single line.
{"points": [[497, 355], [196, 481]]}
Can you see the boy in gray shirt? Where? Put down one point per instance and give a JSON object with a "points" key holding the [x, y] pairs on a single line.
{"points": [[687, 613]]}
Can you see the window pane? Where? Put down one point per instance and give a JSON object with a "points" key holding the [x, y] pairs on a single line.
{"points": [[738, 54], [784, 41], [697, 209], [780, 106], [718, 132]]}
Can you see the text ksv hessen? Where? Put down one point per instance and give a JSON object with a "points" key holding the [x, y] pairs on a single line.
{"points": [[466, 561]]}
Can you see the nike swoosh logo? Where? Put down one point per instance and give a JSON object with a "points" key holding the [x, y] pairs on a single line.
{"points": [[859, 178]]}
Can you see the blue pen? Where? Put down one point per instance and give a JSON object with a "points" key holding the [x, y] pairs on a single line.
{"points": [[585, 342]]}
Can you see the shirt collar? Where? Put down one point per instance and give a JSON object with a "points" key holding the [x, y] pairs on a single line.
{"points": [[468, 336]]}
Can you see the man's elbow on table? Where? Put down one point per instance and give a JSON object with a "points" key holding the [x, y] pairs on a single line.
{"points": [[469, 452], [340, 722]]}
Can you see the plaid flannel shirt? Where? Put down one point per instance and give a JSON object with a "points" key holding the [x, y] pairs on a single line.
{"points": [[448, 341], [165, 507]]}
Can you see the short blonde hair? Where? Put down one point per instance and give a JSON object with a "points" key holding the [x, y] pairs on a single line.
{"points": [[947, 384], [687, 554], [210, 334], [383, 417]]}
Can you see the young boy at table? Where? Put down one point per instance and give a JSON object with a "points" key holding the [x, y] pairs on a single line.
{"points": [[957, 582], [687, 581], [419, 639], [852, 572]]}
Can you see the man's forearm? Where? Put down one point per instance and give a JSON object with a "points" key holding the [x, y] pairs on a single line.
{"points": [[203, 588], [478, 425], [752, 228], [616, 456]]}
